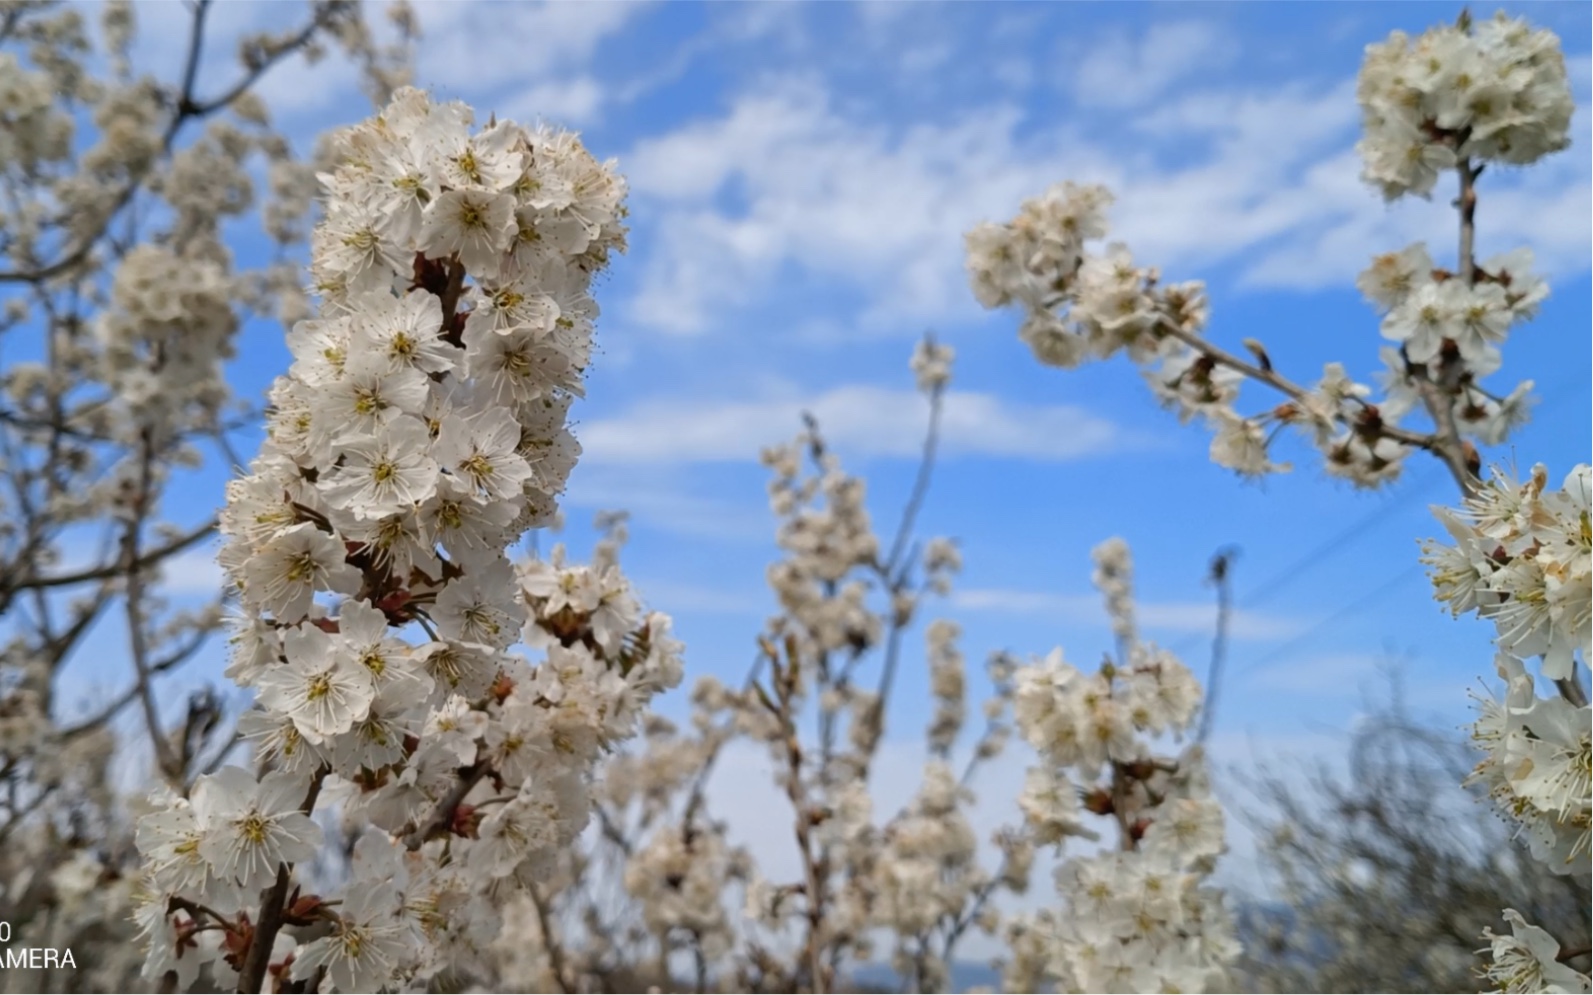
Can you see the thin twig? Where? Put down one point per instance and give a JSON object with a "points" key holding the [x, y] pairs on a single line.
{"points": [[915, 500], [442, 815], [1221, 576], [252, 974], [170, 766], [145, 560], [549, 944]]}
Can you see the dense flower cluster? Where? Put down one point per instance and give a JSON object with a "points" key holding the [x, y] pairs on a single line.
{"points": [[1522, 557], [419, 433], [1453, 100], [1442, 321], [1137, 918], [170, 324], [1535, 766], [1079, 306], [120, 191], [1489, 91], [1527, 960]]}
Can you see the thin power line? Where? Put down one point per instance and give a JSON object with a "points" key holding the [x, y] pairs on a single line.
{"points": [[1341, 540], [1353, 608], [1324, 550]]}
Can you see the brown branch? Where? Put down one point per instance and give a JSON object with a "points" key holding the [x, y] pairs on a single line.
{"points": [[1221, 576], [443, 815], [27, 810], [1453, 459], [170, 766], [802, 824], [555, 954], [324, 15], [188, 107], [145, 560], [915, 500], [1467, 204], [252, 974], [158, 667]]}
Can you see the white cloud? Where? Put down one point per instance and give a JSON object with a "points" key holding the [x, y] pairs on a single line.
{"points": [[483, 46], [1546, 207], [786, 180], [1117, 71], [1169, 616], [846, 201], [567, 102], [193, 571], [524, 60], [659, 501], [865, 420]]}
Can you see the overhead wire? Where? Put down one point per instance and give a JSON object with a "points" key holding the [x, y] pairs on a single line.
{"points": [[1324, 551]]}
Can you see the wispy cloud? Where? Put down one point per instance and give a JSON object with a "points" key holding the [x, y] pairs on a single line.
{"points": [[530, 58], [1120, 71], [792, 178], [194, 571], [524, 60], [865, 420], [845, 199], [660, 500]]}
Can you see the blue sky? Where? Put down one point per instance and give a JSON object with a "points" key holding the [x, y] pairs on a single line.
{"points": [[802, 176]]}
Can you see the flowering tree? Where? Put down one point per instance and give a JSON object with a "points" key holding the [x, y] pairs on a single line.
{"points": [[444, 784], [913, 884], [1454, 100], [1385, 874], [419, 434], [121, 301]]}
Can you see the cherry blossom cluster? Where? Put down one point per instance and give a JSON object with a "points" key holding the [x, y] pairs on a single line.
{"points": [[909, 884], [1440, 321], [918, 873], [1080, 305], [119, 300], [418, 435], [170, 324], [1523, 558], [1535, 767], [1527, 959], [1139, 917], [1455, 99], [34, 134], [1451, 101], [679, 878], [1489, 91]]}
